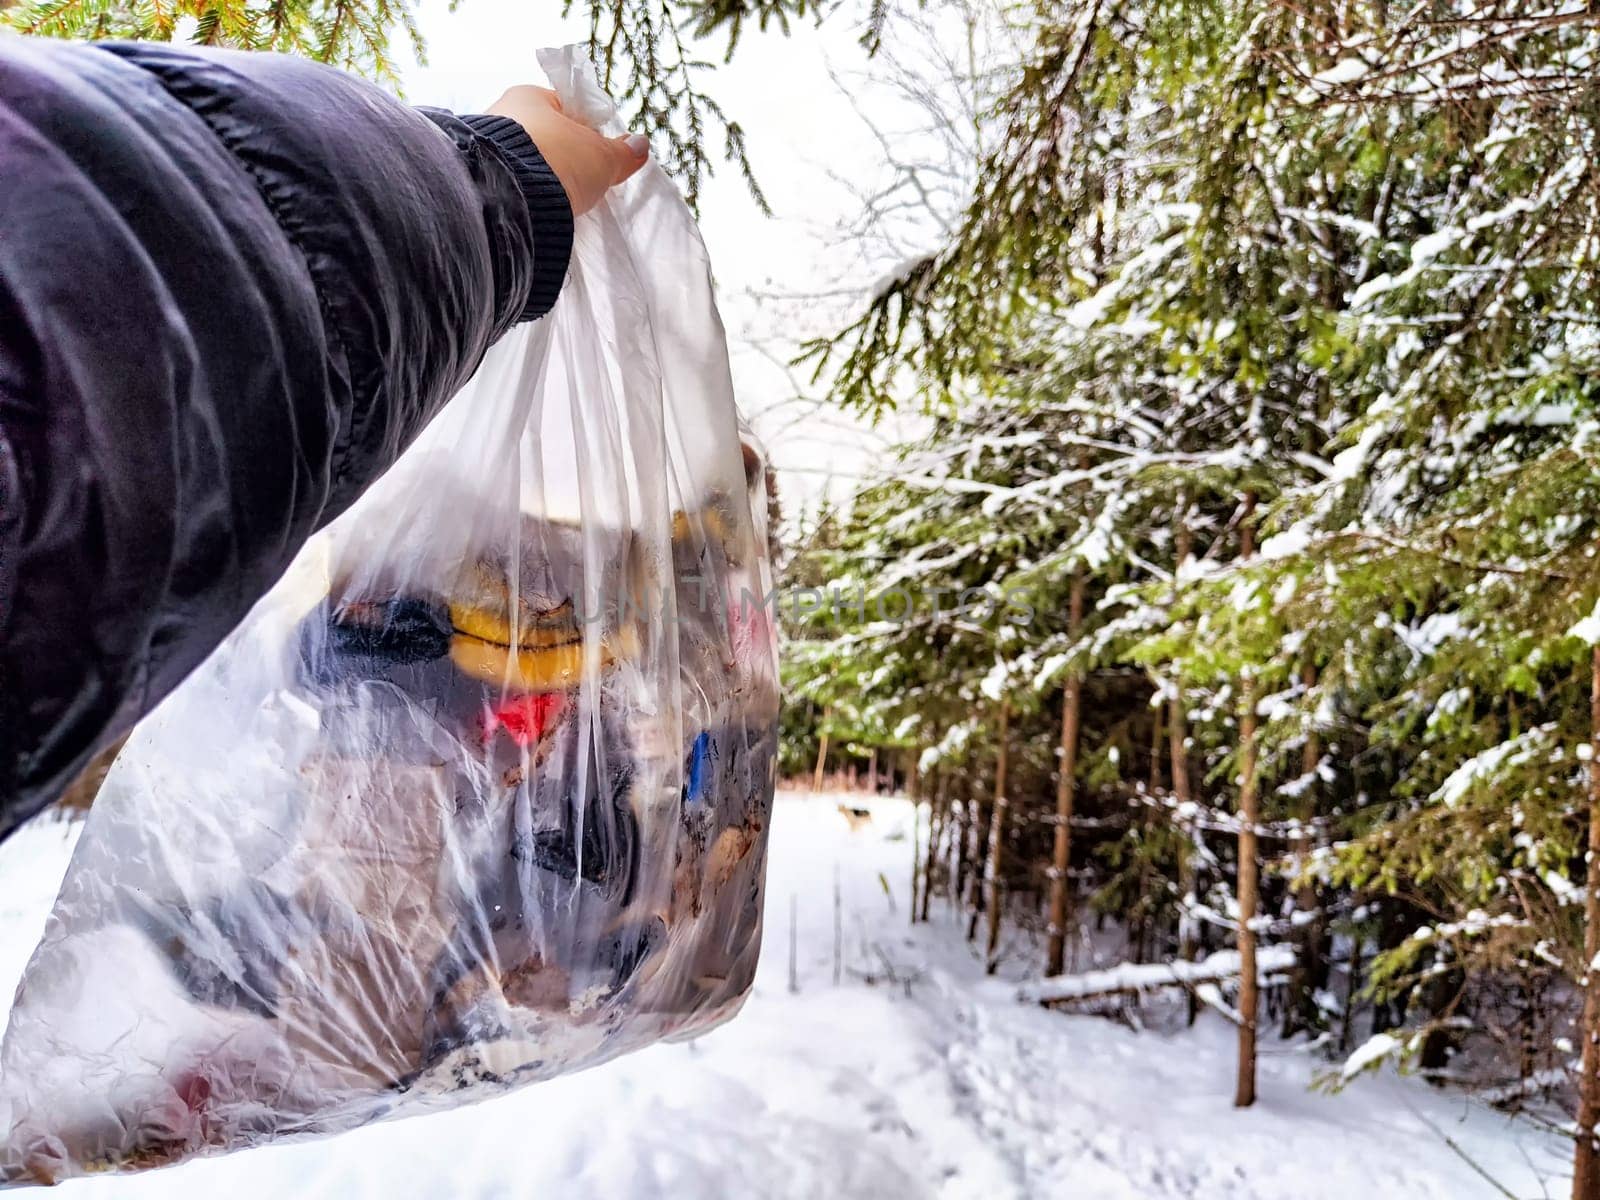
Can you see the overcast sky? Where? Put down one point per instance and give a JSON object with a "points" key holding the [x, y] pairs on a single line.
{"points": [[810, 148]]}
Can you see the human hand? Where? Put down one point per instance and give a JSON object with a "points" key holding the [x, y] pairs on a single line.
{"points": [[585, 162]]}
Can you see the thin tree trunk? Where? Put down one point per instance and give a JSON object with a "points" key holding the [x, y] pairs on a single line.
{"points": [[938, 819], [1183, 816], [1395, 925], [997, 838], [1066, 795], [982, 820], [1249, 867], [916, 856], [1352, 990], [822, 755], [1586, 1156], [1528, 1040], [872, 772], [964, 837], [1146, 923], [1308, 974], [916, 835], [1182, 790]]}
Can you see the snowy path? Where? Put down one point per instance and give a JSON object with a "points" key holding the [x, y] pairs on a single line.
{"points": [[935, 1084]]}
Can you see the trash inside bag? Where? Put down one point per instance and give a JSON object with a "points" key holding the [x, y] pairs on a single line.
{"points": [[478, 795]]}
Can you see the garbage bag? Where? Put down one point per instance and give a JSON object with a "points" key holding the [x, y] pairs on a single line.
{"points": [[477, 795]]}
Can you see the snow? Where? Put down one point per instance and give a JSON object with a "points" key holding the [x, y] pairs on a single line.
{"points": [[995, 681], [1369, 1054], [1142, 977], [1587, 630], [915, 1076], [1563, 889], [1049, 669], [1430, 634], [1346, 70], [1429, 247], [1450, 702], [1291, 543], [1484, 766], [1352, 463]]}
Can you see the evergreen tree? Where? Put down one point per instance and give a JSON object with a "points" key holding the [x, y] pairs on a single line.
{"points": [[1325, 270]]}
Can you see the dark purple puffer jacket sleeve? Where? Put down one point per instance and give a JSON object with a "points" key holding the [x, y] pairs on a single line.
{"points": [[233, 288]]}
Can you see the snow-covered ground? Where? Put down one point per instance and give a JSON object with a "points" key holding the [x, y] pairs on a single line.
{"points": [[914, 1076]]}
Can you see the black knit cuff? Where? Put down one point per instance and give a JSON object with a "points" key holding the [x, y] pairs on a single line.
{"points": [[549, 210]]}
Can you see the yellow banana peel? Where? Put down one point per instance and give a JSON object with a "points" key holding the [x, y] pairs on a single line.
{"points": [[545, 630], [543, 669]]}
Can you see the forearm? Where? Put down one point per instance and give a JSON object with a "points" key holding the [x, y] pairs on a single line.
{"points": [[233, 288]]}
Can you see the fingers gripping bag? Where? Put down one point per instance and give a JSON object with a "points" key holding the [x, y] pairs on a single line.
{"points": [[478, 794]]}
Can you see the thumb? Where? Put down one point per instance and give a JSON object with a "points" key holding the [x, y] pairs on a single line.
{"points": [[628, 153]]}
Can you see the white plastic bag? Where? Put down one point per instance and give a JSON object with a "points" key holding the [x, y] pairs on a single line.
{"points": [[478, 795]]}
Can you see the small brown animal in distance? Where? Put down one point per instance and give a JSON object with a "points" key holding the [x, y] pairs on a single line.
{"points": [[855, 817]]}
